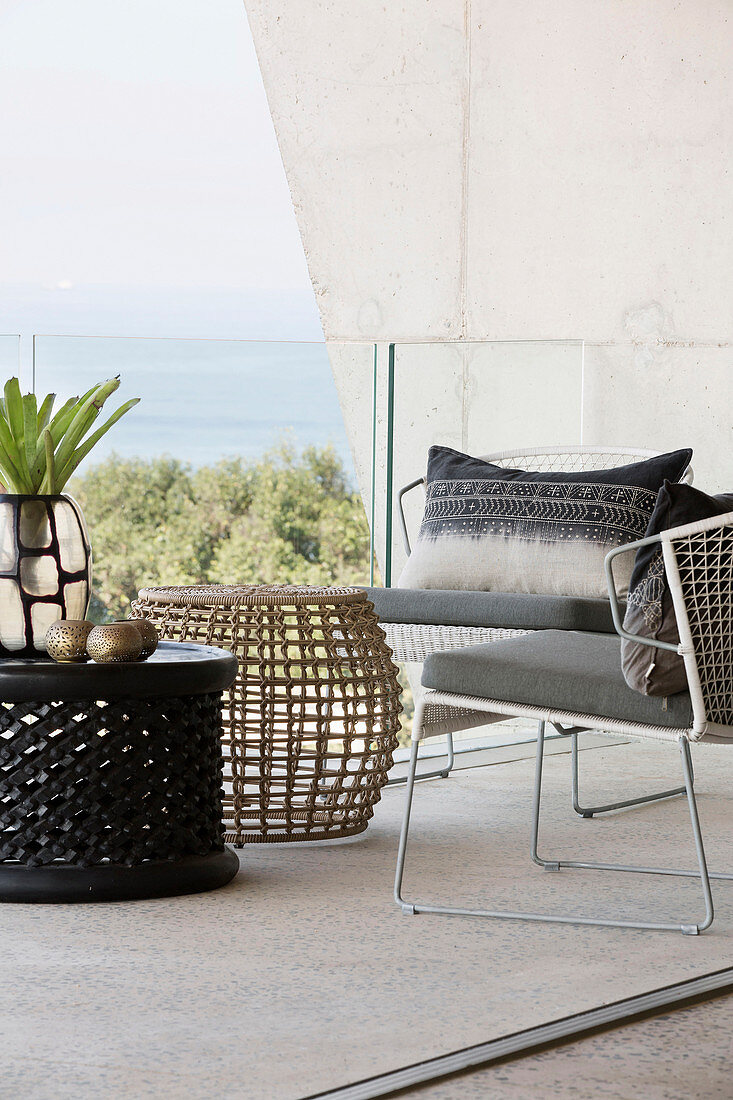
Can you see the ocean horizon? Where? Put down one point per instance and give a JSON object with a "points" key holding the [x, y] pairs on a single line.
{"points": [[202, 399]]}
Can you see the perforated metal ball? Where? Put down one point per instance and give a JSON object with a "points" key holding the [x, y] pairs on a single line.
{"points": [[148, 634], [66, 640], [114, 643]]}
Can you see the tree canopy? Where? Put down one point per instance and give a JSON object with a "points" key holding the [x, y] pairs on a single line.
{"points": [[289, 518]]}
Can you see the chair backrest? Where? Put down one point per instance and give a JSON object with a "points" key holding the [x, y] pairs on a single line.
{"points": [[554, 458], [568, 459], [698, 559]]}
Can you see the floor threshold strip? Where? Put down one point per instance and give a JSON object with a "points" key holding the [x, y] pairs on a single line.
{"points": [[533, 1039]]}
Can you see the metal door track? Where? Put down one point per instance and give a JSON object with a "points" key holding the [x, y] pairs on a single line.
{"points": [[522, 1043]]}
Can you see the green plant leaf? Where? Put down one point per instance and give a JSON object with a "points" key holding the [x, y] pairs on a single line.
{"points": [[62, 412], [40, 449], [44, 413], [84, 396], [48, 484], [30, 431], [88, 411], [10, 476], [61, 421], [14, 409], [81, 452], [57, 425], [38, 469], [16, 422], [11, 462]]}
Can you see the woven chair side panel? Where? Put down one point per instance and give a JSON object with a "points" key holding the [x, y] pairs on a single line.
{"points": [[705, 563], [416, 641], [311, 721], [439, 719], [500, 708]]}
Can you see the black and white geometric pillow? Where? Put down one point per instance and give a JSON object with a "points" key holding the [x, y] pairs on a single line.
{"points": [[487, 528]]}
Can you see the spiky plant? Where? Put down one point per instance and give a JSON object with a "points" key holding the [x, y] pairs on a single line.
{"points": [[40, 450]]}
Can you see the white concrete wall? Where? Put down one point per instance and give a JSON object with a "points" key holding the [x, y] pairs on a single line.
{"points": [[514, 170]]}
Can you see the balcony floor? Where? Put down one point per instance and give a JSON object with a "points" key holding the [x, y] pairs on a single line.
{"points": [[684, 1055], [302, 975]]}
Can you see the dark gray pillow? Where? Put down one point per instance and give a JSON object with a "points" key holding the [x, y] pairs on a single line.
{"points": [[487, 528], [649, 609]]}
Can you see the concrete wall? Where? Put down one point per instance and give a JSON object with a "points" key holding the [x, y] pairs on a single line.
{"points": [[516, 170]]}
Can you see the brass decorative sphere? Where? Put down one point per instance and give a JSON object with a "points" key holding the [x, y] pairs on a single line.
{"points": [[66, 640], [147, 632], [114, 643]]}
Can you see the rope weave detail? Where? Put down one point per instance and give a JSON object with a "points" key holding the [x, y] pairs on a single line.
{"points": [[311, 721]]}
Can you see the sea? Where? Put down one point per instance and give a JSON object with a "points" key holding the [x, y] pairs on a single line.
{"points": [[203, 397]]}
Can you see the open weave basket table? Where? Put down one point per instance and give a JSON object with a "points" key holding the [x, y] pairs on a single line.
{"points": [[311, 721]]}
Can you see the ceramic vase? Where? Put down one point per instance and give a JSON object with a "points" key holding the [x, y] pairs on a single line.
{"points": [[45, 569]]}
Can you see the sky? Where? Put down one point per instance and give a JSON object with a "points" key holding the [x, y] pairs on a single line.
{"points": [[141, 187]]}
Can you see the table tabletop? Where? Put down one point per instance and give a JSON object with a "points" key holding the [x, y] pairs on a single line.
{"points": [[207, 596], [176, 668]]}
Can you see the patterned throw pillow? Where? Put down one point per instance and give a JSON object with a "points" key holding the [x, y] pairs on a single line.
{"points": [[649, 609], [488, 528]]}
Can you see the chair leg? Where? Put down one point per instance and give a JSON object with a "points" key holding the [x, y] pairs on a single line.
{"points": [[439, 773], [409, 907], [699, 846], [402, 851], [589, 811], [546, 865]]}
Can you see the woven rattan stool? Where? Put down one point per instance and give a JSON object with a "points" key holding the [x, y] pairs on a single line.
{"points": [[311, 721]]}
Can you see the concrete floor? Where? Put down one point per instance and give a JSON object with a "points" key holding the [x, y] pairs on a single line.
{"points": [[302, 975], [685, 1055]]}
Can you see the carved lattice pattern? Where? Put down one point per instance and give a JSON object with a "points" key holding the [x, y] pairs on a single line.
{"points": [[123, 781]]}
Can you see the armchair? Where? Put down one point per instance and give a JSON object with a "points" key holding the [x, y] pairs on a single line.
{"points": [[573, 681], [413, 640]]}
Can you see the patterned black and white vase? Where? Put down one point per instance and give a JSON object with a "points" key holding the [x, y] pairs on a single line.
{"points": [[45, 569]]}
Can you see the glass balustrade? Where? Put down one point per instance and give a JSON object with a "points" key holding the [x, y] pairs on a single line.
{"points": [[282, 461], [234, 467], [479, 397], [9, 354]]}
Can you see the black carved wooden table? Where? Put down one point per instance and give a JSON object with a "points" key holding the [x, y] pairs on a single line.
{"points": [[111, 777]]}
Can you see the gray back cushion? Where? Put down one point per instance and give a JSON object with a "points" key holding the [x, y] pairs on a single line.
{"points": [[510, 610]]}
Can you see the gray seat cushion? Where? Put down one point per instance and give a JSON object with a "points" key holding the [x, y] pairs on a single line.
{"points": [[511, 610], [557, 669]]}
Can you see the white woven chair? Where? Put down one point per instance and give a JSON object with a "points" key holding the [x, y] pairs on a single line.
{"points": [[698, 559], [411, 643]]}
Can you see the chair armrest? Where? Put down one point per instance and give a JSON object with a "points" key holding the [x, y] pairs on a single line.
{"points": [[401, 513], [630, 547]]}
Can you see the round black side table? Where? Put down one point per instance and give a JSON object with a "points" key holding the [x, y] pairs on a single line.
{"points": [[111, 777]]}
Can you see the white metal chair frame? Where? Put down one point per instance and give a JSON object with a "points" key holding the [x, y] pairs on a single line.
{"points": [[413, 642], [698, 560]]}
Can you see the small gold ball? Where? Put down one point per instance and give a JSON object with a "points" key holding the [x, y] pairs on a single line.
{"points": [[147, 632], [114, 643], [66, 640]]}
